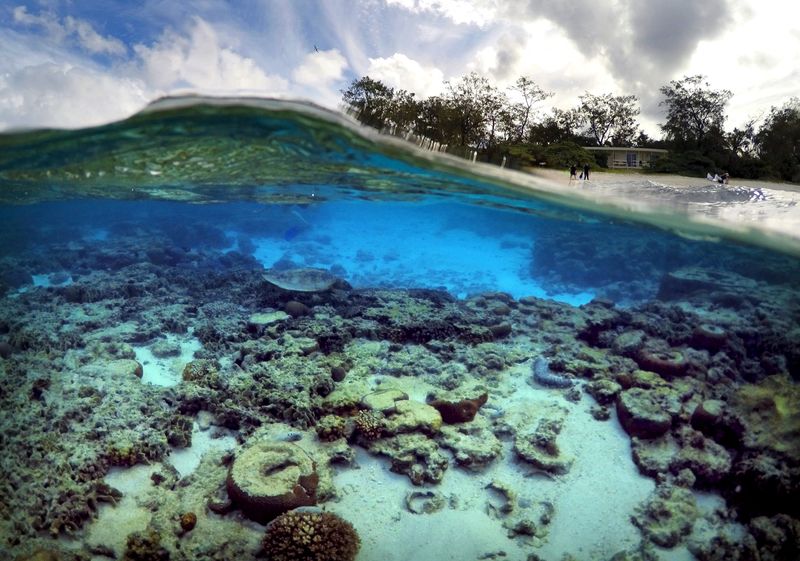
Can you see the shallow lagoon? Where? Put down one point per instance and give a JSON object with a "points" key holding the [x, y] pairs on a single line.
{"points": [[144, 351]]}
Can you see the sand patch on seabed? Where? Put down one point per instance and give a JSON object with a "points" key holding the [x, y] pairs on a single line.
{"points": [[593, 502], [186, 460], [167, 371], [115, 522]]}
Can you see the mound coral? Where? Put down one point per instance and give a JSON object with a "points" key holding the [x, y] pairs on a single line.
{"points": [[311, 536], [330, 428], [668, 363], [459, 411], [188, 521], [270, 478]]}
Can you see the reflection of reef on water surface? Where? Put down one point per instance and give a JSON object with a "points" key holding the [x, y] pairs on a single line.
{"points": [[699, 379], [265, 151]]}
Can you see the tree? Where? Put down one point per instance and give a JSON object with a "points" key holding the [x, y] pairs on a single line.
{"points": [[643, 140], [778, 141], [468, 102], [741, 141], [521, 112], [695, 112], [434, 119], [609, 117], [404, 110], [496, 116], [561, 126], [371, 100]]}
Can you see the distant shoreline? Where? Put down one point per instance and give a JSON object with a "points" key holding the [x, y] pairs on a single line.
{"points": [[604, 177]]}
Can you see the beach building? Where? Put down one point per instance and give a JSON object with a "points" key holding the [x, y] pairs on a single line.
{"points": [[630, 158]]}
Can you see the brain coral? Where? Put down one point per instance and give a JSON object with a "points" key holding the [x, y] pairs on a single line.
{"points": [[310, 536]]}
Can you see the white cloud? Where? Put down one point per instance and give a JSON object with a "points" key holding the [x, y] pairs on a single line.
{"points": [[78, 29], [479, 12], [91, 40], [320, 68], [48, 86], [199, 62], [62, 95], [400, 71], [761, 73], [45, 20]]}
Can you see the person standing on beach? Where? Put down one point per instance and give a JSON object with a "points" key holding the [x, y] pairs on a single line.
{"points": [[585, 172], [573, 172]]}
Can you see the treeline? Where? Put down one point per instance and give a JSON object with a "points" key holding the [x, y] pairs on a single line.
{"points": [[511, 125]]}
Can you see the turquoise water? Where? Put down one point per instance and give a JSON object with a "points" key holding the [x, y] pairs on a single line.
{"points": [[146, 348]]}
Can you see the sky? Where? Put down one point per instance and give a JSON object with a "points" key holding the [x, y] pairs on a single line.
{"points": [[74, 63]]}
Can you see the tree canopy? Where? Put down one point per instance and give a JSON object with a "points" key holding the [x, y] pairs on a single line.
{"points": [[472, 114], [609, 117], [695, 112], [778, 141]]}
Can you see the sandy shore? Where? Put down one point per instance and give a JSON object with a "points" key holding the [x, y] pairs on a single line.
{"points": [[604, 177]]}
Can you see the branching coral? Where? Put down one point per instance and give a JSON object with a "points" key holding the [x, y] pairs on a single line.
{"points": [[368, 424]]}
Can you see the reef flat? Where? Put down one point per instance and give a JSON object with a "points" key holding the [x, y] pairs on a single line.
{"points": [[137, 349]]}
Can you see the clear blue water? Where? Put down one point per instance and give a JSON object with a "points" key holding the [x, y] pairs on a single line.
{"points": [[148, 240]]}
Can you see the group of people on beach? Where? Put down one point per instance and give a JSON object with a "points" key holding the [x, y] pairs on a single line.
{"points": [[717, 178], [573, 172]]}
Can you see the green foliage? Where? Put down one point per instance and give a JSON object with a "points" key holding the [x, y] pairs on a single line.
{"points": [[601, 159], [695, 113], [370, 100], [609, 117], [560, 155], [475, 110], [524, 154], [691, 163], [471, 114], [778, 141], [522, 113]]}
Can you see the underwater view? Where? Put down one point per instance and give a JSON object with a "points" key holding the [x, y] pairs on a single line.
{"points": [[243, 329]]}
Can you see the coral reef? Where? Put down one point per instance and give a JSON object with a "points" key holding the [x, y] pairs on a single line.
{"points": [[188, 521], [474, 446], [647, 413], [368, 424], [331, 427], [145, 546], [702, 380], [539, 447], [311, 536], [413, 455], [667, 516]]}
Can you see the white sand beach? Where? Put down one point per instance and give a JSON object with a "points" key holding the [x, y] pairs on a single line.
{"points": [[682, 181]]}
